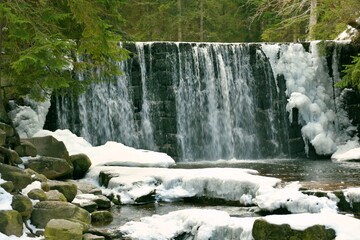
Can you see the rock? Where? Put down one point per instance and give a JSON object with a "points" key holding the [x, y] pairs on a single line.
{"points": [[101, 218], [148, 198], [11, 223], [37, 194], [52, 168], [88, 205], [26, 148], [105, 177], [49, 146], [101, 201], [17, 176], [84, 187], [36, 176], [63, 229], [7, 186], [262, 230], [81, 163], [10, 156], [2, 137], [23, 205], [8, 129], [67, 188], [89, 236], [44, 211], [115, 199], [55, 195]]}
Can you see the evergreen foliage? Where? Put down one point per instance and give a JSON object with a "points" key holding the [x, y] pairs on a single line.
{"points": [[41, 39]]}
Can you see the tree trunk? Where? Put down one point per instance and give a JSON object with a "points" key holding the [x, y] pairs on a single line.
{"points": [[179, 20], [201, 20], [312, 20]]}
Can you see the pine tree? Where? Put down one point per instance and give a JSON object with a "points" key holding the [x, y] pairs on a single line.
{"points": [[41, 41]]}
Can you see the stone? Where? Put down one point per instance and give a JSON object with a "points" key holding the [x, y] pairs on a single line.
{"points": [[2, 137], [63, 229], [86, 187], [11, 223], [101, 201], [36, 176], [44, 211], [17, 176], [262, 230], [37, 194], [55, 195], [10, 156], [49, 146], [23, 205], [105, 177], [7, 186], [88, 205], [89, 236], [26, 148], [52, 168], [67, 188], [101, 218], [81, 164], [8, 129], [147, 198]]}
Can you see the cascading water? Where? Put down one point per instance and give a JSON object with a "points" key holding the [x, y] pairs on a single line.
{"points": [[206, 101]]}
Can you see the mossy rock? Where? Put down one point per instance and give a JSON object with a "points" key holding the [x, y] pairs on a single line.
{"points": [[67, 188], [11, 223], [101, 218], [23, 205], [263, 230], [63, 229], [81, 164], [17, 176], [37, 194], [44, 211]]}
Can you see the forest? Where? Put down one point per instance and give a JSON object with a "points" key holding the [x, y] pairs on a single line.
{"points": [[237, 20], [41, 41]]}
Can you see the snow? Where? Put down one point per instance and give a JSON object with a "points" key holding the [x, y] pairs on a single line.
{"points": [[214, 224], [308, 89], [5, 198], [294, 201], [173, 184], [203, 224], [30, 118], [111, 153]]}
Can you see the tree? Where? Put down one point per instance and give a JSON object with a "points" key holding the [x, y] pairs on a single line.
{"points": [[41, 42]]}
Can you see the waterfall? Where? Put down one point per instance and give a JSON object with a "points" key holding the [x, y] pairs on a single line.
{"points": [[206, 101]]}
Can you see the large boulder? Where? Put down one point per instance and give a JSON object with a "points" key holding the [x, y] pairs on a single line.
{"points": [[263, 230], [52, 168], [26, 148], [63, 229], [69, 189], [49, 146], [81, 164], [23, 205], [11, 223], [44, 211], [17, 176]]}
